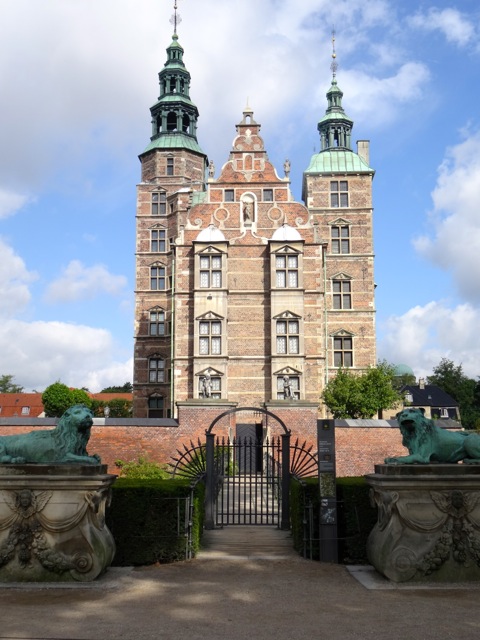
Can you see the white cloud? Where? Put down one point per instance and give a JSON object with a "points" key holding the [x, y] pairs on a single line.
{"points": [[14, 282], [79, 282], [11, 202], [391, 95], [453, 24], [39, 353], [424, 335], [454, 241]]}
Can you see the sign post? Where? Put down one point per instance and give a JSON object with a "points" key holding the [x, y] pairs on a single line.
{"points": [[328, 495]]}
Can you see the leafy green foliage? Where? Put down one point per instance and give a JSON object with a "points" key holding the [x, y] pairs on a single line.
{"points": [[57, 398], [148, 518], [80, 396], [143, 469], [125, 388], [464, 390], [351, 395], [355, 518], [119, 408], [8, 386]]}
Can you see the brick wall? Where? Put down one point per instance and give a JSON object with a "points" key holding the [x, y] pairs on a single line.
{"points": [[358, 449]]}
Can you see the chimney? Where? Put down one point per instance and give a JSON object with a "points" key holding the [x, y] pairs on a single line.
{"points": [[363, 150], [421, 383]]}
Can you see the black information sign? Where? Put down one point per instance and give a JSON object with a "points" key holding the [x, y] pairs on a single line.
{"points": [[327, 484]]}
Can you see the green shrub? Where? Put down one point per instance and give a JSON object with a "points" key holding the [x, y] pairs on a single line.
{"points": [[119, 408], [143, 469], [303, 494], [149, 520], [355, 518]]}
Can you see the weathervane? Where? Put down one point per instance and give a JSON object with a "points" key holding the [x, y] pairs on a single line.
{"points": [[175, 19], [334, 65]]}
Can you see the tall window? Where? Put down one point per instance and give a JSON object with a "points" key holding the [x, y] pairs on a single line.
{"points": [[229, 195], [156, 407], [157, 325], [343, 351], [342, 294], [170, 167], [156, 370], [339, 193], [159, 203], [288, 340], [158, 278], [158, 243], [340, 239], [286, 271], [210, 271], [288, 387], [210, 337]]}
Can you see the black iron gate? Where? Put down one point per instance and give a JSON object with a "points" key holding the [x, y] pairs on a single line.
{"points": [[247, 481]]}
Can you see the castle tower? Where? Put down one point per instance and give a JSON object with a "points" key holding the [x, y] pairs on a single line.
{"points": [[337, 190], [172, 171]]}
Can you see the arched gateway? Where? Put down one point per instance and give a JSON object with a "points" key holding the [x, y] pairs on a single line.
{"points": [[247, 468]]}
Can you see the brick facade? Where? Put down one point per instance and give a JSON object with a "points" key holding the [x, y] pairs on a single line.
{"points": [[237, 284]]}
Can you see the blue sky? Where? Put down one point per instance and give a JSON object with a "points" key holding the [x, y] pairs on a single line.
{"points": [[77, 80]]}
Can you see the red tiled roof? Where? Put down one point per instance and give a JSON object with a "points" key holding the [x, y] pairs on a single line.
{"points": [[21, 405], [30, 404]]}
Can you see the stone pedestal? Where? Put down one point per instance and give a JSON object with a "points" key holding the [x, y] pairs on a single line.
{"points": [[52, 522], [428, 527]]}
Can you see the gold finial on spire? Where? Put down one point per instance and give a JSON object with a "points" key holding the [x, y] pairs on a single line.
{"points": [[175, 19], [334, 65]]}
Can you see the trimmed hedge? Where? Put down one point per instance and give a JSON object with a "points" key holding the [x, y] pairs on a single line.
{"points": [[355, 518], [148, 520]]}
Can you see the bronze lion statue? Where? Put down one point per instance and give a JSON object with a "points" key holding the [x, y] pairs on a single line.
{"points": [[67, 443], [427, 442]]}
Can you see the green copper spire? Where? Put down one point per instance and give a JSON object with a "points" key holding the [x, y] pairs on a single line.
{"points": [[335, 127], [174, 116]]}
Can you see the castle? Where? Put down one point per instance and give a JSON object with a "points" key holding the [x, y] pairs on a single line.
{"points": [[245, 297]]}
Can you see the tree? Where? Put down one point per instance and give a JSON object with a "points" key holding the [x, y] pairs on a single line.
{"points": [[451, 379], [351, 395], [119, 408], [7, 385], [57, 398], [126, 388]]}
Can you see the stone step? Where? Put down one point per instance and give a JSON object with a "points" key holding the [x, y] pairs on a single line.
{"points": [[247, 542]]}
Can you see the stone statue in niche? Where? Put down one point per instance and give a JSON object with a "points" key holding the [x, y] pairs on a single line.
{"points": [[248, 212], [67, 443], [287, 388], [206, 386]]}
